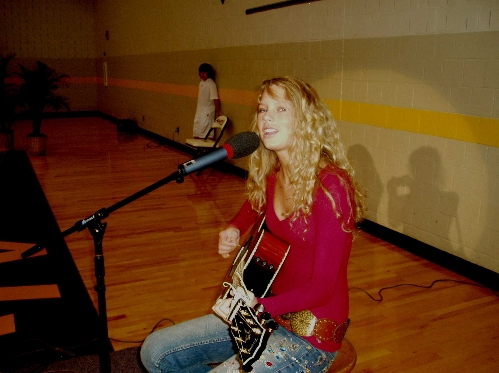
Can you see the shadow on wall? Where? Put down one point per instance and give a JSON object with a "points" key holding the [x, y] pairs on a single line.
{"points": [[368, 177], [416, 201]]}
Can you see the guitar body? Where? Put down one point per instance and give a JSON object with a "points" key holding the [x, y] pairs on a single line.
{"points": [[254, 268], [266, 257]]}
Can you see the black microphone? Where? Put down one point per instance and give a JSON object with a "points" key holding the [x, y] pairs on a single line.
{"points": [[238, 146]]}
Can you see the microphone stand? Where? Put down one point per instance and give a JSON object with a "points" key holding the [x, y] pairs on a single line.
{"points": [[97, 229]]}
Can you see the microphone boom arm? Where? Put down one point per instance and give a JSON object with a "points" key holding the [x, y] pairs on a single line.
{"points": [[103, 213], [238, 146]]}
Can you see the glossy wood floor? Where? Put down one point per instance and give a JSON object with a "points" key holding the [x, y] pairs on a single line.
{"points": [[161, 260]]}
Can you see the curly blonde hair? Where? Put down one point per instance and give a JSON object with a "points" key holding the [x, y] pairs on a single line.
{"points": [[315, 143]]}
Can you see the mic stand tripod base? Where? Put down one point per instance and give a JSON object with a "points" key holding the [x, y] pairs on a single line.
{"points": [[97, 230]]}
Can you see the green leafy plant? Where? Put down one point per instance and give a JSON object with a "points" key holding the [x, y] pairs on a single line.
{"points": [[8, 96], [37, 93]]}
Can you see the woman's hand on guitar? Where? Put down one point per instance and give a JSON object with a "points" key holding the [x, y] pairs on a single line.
{"points": [[223, 307], [228, 240], [251, 299]]}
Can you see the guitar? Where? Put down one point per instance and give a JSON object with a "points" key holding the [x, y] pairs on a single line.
{"points": [[254, 268]]}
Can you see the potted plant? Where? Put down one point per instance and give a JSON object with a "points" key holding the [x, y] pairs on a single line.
{"points": [[37, 94], [8, 104]]}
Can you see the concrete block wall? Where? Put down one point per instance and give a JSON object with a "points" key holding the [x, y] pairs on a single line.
{"points": [[414, 85]]}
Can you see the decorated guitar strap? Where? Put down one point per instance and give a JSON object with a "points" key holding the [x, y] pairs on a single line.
{"points": [[254, 269]]}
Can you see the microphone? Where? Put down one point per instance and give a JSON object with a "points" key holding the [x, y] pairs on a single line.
{"points": [[238, 146]]}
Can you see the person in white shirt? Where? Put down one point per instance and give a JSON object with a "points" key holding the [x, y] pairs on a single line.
{"points": [[208, 106]]}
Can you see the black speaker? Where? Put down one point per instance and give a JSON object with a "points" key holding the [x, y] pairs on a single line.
{"points": [[127, 125]]}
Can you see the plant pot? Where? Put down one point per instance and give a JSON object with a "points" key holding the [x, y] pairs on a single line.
{"points": [[6, 141], [37, 145]]}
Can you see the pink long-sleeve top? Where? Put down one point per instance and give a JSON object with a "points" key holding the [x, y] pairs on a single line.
{"points": [[314, 274]]}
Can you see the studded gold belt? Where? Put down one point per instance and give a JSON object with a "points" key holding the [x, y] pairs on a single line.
{"points": [[305, 324]]}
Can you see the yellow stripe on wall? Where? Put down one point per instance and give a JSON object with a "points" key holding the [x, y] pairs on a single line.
{"points": [[234, 96], [474, 129], [175, 89], [480, 130]]}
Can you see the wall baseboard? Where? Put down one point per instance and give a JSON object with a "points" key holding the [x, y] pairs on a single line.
{"points": [[451, 262], [221, 166]]}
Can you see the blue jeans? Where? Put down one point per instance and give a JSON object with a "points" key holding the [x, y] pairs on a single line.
{"points": [[190, 346]]}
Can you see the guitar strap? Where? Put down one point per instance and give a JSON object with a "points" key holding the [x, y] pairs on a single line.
{"points": [[254, 269]]}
